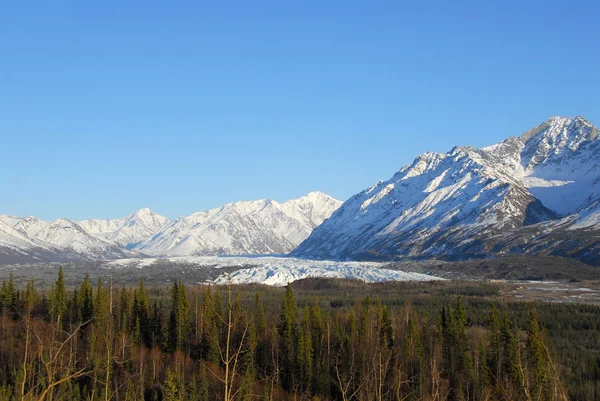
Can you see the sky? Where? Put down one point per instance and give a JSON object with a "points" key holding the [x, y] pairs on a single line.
{"points": [[107, 107]]}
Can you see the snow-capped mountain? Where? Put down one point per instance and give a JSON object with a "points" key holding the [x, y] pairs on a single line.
{"points": [[127, 232], [30, 239], [557, 161], [251, 227], [255, 227], [16, 247], [520, 196]]}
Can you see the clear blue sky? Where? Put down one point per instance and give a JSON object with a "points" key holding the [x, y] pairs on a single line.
{"points": [[181, 106]]}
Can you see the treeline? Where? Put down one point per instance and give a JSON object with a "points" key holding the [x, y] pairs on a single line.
{"points": [[98, 342]]}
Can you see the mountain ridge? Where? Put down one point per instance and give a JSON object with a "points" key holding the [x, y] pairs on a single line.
{"points": [[269, 227], [29, 239], [468, 202]]}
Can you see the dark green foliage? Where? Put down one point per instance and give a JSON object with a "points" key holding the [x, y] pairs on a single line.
{"points": [[456, 349], [58, 298], [8, 294], [179, 319], [210, 334], [85, 300], [288, 338], [142, 329]]}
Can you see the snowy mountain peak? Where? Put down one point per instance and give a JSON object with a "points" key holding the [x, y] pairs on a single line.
{"points": [[311, 209], [148, 218], [129, 231], [144, 212], [557, 161], [559, 128], [452, 203], [248, 227], [314, 195]]}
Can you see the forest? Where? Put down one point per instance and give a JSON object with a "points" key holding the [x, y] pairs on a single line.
{"points": [[316, 339]]}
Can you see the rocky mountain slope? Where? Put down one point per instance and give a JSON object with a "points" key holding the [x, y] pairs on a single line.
{"points": [[534, 194]]}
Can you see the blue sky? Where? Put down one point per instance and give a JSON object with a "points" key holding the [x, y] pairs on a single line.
{"points": [[181, 106]]}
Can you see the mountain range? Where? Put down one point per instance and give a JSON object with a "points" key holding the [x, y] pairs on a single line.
{"points": [[252, 227], [538, 193], [533, 194]]}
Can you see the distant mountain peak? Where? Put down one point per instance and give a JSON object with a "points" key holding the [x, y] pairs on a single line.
{"points": [[261, 226], [316, 194], [245, 227]]}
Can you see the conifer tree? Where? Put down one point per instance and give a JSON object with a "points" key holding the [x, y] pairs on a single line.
{"points": [[8, 294], [261, 350], [536, 351], [179, 321], [496, 353], [513, 364], [317, 332], [288, 331], [101, 304], [124, 323], [304, 352], [11, 292], [210, 333], [157, 327], [141, 316], [85, 300], [453, 324], [58, 298], [386, 331]]}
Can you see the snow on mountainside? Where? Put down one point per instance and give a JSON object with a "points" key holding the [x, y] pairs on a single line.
{"points": [[16, 247], [504, 198], [255, 227], [251, 227], [29, 239], [127, 232], [70, 236], [557, 161]]}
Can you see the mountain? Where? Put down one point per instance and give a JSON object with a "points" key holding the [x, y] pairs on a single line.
{"points": [[250, 227], [128, 232], [254, 227], [538, 193], [29, 239], [557, 161], [17, 247]]}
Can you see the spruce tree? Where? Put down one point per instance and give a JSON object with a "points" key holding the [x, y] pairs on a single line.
{"points": [[536, 351], [262, 357], [8, 294], [124, 323], [386, 330], [210, 333], [288, 332], [11, 293], [179, 320], [141, 316], [101, 304], [85, 300], [58, 298]]}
